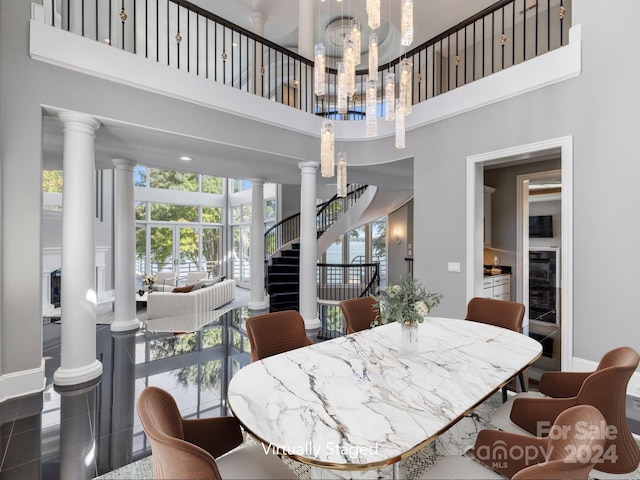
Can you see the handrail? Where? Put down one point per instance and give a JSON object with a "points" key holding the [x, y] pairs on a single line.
{"points": [[343, 281], [288, 229]]}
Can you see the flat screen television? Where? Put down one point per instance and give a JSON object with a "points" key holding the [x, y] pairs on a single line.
{"points": [[541, 226]]}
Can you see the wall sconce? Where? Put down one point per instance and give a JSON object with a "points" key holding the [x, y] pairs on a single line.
{"points": [[396, 236]]}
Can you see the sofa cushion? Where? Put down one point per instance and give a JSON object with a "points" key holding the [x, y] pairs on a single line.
{"points": [[206, 283], [185, 289]]}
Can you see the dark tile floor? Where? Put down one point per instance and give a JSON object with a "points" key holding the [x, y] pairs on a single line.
{"points": [[83, 432], [86, 431]]}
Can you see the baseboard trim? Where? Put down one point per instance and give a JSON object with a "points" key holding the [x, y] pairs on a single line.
{"points": [[25, 382]]}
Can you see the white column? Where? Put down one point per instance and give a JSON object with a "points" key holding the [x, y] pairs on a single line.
{"points": [[308, 302], [124, 248], [257, 22], [306, 28], [257, 301], [78, 362]]}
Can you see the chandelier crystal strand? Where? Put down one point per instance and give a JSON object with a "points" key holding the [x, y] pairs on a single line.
{"points": [[371, 114], [390, 97], [348, 58], [327, 146], [342, 89], [373, 13], [342, 174], [400, 125], [373, 56], [406, 96], [407, 23], [319, 70], [356, 37]]}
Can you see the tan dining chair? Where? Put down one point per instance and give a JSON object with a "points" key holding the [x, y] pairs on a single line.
{"points": [[359, 313], [605, 388], [500, 313], [570, 455], [276, 332], [204, 448]]}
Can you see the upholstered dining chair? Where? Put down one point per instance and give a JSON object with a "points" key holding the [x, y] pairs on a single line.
{"points": [[605, 388], [201, 448], [500, 313], [570, 455], [358, 313], [276, 332]]}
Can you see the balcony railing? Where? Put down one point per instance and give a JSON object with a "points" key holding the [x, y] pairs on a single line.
{"points": [[184, 36]]}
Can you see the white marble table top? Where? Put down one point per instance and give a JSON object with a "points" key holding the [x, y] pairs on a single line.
{"points": [[357, 403]]}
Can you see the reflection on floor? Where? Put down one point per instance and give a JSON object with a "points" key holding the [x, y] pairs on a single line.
{"points": [[82, 433]]}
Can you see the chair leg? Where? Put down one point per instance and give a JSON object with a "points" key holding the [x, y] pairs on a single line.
{"points": [[504, 394]]}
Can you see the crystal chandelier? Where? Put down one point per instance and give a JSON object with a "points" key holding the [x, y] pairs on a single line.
{"points": [[406, 96], [327, 145], [390, 97], [407, 23], [319, 69], [371, 114], [348, 58], [373, 56], [400, 125], [342, 89], [373, 12], [356, 37], [342, 174]]}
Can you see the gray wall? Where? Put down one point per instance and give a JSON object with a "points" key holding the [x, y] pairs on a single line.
{"points": [[599, 108], [402, 219]]}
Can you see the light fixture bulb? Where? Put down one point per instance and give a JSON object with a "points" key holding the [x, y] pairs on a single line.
{"points": [[342, 89], [348, 58], [356, 37], [373, 56], [371, 114], [407, 23], [390, 97], [373, 13], [327, 146], [342, 174], [400, 125], [406, 95], [319, 70]]}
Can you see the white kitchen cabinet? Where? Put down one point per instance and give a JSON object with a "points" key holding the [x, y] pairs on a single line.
{"points": [[497, 287], [488, 191]]}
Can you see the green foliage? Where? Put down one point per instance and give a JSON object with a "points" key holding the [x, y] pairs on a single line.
{"points": [[407, 302], [173, 180], [52, 181]]}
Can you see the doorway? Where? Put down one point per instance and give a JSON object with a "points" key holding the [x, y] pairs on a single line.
{"points": [[560, 148]]}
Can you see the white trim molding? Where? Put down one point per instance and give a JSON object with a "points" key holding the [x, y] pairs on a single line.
{"points": [[24, 382]]}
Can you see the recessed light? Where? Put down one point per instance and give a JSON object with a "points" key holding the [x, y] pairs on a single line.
{"points": [[184, 158]]}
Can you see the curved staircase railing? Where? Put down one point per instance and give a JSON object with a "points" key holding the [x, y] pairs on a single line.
{"points": [[288, 230]]}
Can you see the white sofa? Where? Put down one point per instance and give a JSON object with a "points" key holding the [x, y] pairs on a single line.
{"points": [[168, 304]]}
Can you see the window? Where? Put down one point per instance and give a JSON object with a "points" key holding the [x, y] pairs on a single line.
{"points": [[173, 213]]}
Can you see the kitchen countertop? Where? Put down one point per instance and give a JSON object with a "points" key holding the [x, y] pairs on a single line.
{"points": [[487, 271]]}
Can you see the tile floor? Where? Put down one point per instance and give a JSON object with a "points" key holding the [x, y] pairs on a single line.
{"points": [[84, 432]]}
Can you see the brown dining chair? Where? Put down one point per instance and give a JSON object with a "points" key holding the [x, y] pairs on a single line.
{"points": [[500, 313], [204, 448], [605, 388], [276, 332], [359, 313], [570, 455]]}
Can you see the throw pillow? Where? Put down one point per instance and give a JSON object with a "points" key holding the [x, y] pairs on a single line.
{"points": [[185, 289]]}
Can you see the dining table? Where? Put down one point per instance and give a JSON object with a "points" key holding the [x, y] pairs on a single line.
{"points": [[359, 402]]}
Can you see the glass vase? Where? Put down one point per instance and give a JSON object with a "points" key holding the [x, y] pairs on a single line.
{"points": [[409, 338]]}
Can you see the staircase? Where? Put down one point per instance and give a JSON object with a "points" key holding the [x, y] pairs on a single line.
{"points": [[283, 277]]}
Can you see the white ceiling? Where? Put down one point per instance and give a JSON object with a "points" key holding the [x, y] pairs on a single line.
{"points": [[161, 149]]}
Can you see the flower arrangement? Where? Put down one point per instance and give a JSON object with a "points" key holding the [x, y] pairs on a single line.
{"points": [[149, 280], [407, 302]]}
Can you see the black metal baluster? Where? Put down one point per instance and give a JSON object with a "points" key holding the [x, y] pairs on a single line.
{"points": [[457, 56], [168, 43], [157, 31], [502, 39], [493, 42], [537, 27], [215, 51], [134, 27], [97, 36], [448, 63], [473, 74], [197, 44], [224, 52], [513, 31], [82, 13], [548, 25], [188, 41], [465, 56], [177, 42], [562, 23]]}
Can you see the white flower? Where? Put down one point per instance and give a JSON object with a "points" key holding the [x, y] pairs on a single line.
{"points": [[149, 280], [421, 308], [396, 288]]}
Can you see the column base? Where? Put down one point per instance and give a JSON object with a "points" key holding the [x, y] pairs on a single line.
{"points": [[311, 328], [260, 305], [126, 326], [77, 376]]}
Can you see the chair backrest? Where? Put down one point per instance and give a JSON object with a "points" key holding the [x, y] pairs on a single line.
{"points": [[574, 446], [358, 313], [173, 457], [500, 313], [276, 332], [166, 278], [193, 277]]}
